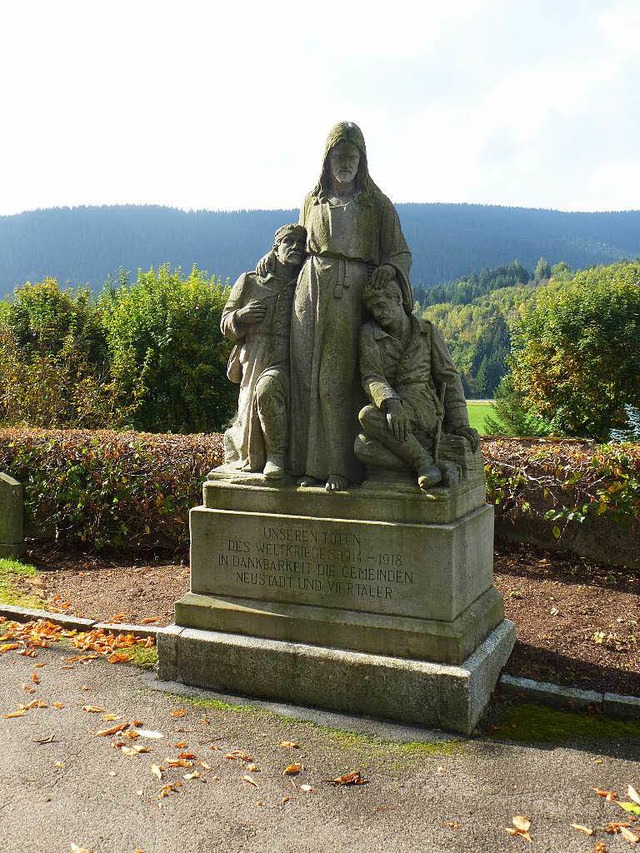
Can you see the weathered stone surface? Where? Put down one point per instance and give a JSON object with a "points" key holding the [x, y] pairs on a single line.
{"points": [[421, 639], [403, 360], [11, 517], [554, 695], [383, 503], [354, 234], [377, 599], [424, 571], [627, 707], [411, 691]]}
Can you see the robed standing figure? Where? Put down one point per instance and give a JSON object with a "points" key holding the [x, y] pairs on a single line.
{"points": [[353, 236]]}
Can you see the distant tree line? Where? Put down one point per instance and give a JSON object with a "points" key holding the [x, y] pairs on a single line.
{"points": [[83, 245], [476, 314]]}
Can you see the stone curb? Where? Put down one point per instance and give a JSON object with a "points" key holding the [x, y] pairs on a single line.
{"points": [[541, 692], [25, 614], [569, 698]]}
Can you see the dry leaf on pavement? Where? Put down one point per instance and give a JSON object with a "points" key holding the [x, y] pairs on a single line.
{"points": [[133, 750], [293, 769], [522, 825], [179, 712], [631, 837], [580, 828], [354, 778], [179, 762], [149, 734], [112, 730], [157, 771], [614, 826], [250, 781], [289, 744], [237, 754], [633, 794], [609, 796]]}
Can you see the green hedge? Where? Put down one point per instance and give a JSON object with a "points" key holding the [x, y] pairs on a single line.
{"points": [[133, 490], [563, 481], [104, 488]]}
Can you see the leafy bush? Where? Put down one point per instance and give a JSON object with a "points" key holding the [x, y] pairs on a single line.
{"points": [[53, 360], [564, 482], [575, 359], [167, 354], [148, 355]]}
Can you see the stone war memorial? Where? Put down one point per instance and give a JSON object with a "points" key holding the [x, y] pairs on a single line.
{"points": [[343, 554]]}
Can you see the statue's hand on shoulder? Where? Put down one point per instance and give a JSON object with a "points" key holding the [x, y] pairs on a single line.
{"points": [[252, 312], [397, 420], [266, 265], [382, 275], [470, 434]]}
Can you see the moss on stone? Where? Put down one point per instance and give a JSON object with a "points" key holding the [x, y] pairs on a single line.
{"points": [[529, 723], [12, 571]]}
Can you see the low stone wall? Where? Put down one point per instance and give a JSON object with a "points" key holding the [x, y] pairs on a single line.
{"points": [[602, 541]]}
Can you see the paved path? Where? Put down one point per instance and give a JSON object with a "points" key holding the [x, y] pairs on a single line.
{"points": [[443, 795]]}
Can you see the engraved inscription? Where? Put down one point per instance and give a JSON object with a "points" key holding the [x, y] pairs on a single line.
{"points": [[325, 563]]}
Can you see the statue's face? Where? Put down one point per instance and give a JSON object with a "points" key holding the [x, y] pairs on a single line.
{"points": [[290, 250], [344, 159], [386, 310]]}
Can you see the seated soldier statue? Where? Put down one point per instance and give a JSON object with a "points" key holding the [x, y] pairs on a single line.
{"points": [[257, 317], [414, 388]]}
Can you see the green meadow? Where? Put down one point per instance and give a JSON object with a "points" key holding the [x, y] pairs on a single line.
{"points": [[478, 411]]}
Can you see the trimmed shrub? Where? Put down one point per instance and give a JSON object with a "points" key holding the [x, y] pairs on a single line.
{"points": [[109, 489]]}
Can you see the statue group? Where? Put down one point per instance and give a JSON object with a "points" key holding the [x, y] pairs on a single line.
{"points": [[337, 378]]}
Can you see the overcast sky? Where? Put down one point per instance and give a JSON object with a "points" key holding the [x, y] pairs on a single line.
{"points": [[226, 105]]}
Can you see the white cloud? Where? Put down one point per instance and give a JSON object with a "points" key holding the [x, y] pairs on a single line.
{"points": [[228, 105], [611, 187]]}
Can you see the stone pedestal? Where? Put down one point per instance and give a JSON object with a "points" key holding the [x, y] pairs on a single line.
{"points": [[11, 517], [373, 601]]}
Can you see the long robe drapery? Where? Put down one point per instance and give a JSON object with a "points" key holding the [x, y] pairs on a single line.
{"points": [[345, 243]]}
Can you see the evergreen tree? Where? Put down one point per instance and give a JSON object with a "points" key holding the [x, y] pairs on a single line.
{"points": [[542, 271]]}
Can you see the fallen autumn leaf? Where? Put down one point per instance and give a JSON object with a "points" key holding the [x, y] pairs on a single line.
{"points": [[354, 778]]}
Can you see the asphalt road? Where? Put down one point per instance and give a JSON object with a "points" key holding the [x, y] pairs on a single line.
{"points": [[61, 784]]}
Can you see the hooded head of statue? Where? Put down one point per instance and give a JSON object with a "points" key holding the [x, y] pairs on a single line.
{"points": [[346, 131]]}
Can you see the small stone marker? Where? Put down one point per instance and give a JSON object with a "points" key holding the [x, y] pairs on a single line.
{"points": [[11, 517]]}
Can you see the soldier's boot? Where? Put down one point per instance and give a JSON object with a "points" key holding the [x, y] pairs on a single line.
{"points": [[273, 420], [428, 474]]}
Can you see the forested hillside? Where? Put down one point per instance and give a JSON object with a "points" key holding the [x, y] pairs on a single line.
{"points": [[87, 244], [476, 316]]}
